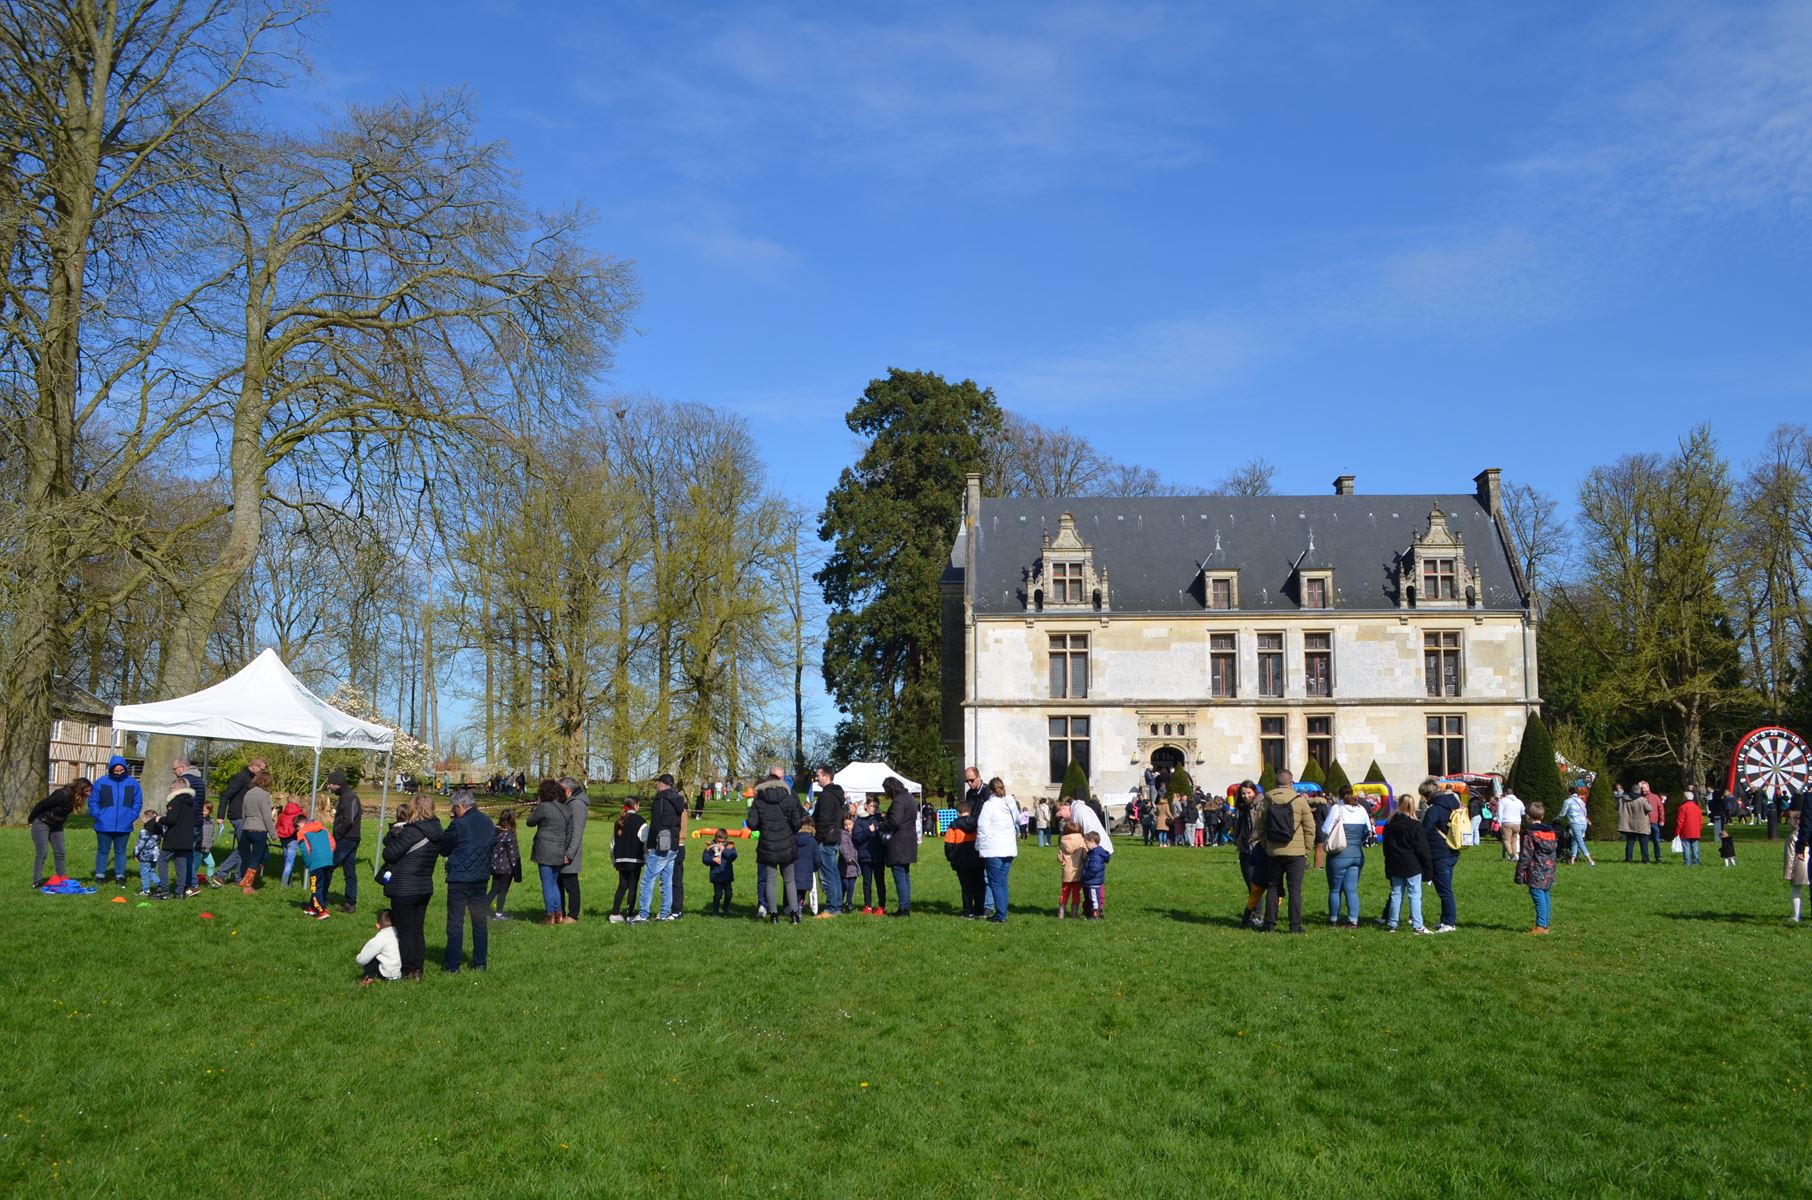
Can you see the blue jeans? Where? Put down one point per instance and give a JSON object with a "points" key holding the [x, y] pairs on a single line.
{"points": [[659, 870], [830, 873], [118, 843], [1443, 886], [1689, 851], [1579, 847], [1044, 838], [234, 862], [253, 849], [289, 858], [147, 875], [1343, 883], [902, 888], [997, 869], [550, 888], [1542, 897], [1401, 886]]}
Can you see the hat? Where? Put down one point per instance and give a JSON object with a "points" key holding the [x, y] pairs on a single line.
{"points": [[664, 778], [336, 778]]}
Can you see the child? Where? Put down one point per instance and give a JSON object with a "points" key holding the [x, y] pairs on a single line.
{"points": [[628, 852], [847, 860], [506, 863], [1536, 859], [720, 857], [805, 861], [381, 958], [286, 834], [206, 869], [1796, 863], [960, 853], [1094, 876], [1071, 850], [317, 858], [1727, 847], [146, 850]]}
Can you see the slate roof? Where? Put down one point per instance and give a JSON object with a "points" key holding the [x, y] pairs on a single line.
{"points": [[1154, 548]]}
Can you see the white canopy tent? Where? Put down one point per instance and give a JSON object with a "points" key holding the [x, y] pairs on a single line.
{"points": [[860, 779], [264, 702]]}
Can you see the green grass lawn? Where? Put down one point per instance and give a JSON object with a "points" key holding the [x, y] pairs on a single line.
{"points": [[1657, 1045]]}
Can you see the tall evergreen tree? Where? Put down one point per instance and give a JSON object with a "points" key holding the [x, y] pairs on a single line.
{"points": [[1534, 775], [1601, 807], [890, 521], [1180, 783], [1312, 773], [1267, 779], [1375, 773], [1075, 782], [1337, 778]]}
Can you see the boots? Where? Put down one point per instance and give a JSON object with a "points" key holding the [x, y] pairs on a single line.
{"points": [[248, 881]]}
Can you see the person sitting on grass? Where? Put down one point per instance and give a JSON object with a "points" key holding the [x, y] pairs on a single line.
{"points": [[1535, 862], [1094, 876], [381, 958], [720, 861]]}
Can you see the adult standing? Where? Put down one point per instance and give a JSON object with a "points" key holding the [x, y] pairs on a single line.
{"points": [[871, 858], [348, 826], [115, 804], [1344, 832], [232, 811], [1574, 815], [997, 841], [180, 840], [188, 776], [1288, 827], [47, 819], [410, 849], [1439, 807], [1657, 819], [1088, 819], [774, 820], [1632, 822], [1254, 863], [578, 808], [1043, 816], [468, 850], [901, 825], [1689, 827], [827, 828], [550, 818], [666, 824], [974, 790], [255, 806], [1510, 824]]}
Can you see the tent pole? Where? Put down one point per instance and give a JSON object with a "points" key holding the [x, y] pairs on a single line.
{"points": [[316, 789], [384, 803]]}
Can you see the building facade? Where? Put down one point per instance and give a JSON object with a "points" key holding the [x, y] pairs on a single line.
{"points": [[1224, 633], [81, 734]]}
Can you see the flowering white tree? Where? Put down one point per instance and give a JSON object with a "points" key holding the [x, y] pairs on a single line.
{"points": [[410, 756]]}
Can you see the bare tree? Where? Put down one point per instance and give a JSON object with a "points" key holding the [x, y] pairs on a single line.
{"points": [[1539, 532], [1251, 478], [1033, 460]]}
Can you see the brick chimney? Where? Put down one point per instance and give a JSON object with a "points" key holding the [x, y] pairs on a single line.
{"points": [[1343, 485], [1490, 489]]}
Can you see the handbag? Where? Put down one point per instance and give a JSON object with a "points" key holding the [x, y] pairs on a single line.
{"points": [[1336, 839]]}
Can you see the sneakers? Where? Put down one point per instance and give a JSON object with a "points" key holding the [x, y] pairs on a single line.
{"points": [[349, 908], [669, 917], [867, 911], [1539, 931], [144, 891], [501, 916], [616, 918], [1446, 928], [321, 914], [1424, 929], [213, 881], [638, 919], [191, 893], [795, 918]]}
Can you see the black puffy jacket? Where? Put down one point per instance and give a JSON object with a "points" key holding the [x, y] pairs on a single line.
{"points": [[410, 852], [902, 827], [180, 836], [775, 817]]}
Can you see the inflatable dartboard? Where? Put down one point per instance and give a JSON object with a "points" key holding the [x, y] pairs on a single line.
{"points": [[1773, 759]]}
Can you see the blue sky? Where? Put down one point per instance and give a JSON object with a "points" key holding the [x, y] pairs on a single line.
{"points": [[1403, 241]]}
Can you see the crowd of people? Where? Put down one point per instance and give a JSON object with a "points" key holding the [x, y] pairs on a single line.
{"points": [[817, 854]]}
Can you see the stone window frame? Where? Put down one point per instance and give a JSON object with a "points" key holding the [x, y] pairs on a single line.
{"points": [[1058, 558], [1283, 665], [1069, 652], [1068, 739], [1311, 737], [1433, 683], [1439, 729], [1438, 544], [1308, 676], [1281, 739], [1231, 579], [1325, 578], [1230, 654]]}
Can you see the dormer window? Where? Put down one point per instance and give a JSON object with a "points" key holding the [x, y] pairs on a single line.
{"points": [[1220, 590], [1066, 576], [1438, 579], [1435, 571], [1317, 589]]}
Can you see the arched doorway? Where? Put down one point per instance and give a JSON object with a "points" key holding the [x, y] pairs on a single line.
{"points": [[1164, 760]]}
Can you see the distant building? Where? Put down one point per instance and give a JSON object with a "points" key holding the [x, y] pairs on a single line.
{"points": [[1224, 633], [81, 733]]}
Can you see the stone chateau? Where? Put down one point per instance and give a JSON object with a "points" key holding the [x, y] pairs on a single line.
{"points": [[1222, 633]]}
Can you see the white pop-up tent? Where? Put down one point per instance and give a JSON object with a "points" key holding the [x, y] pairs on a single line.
{"points": [[262, 703], [860, 779]]}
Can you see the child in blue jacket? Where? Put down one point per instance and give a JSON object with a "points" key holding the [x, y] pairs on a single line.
{"points": [[1094, 875], [720, 857]]}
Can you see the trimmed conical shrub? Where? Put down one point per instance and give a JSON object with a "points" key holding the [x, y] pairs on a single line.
{"points": [[1535, 775], [1180, 783], [1375, 774], [1601, 808], [1312, 773], [1075, 782], [1267, 779], [1336, 778]]}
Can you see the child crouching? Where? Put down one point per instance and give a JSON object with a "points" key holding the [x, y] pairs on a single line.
{"points": [[381, 957], [1094, 875]]}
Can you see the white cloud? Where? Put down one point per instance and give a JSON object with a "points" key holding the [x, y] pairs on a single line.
{"points": [[1160, 362], [718, 244]]}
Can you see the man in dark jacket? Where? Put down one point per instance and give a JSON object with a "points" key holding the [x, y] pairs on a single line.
{"points": [[115, 804], [1438, 809], [827, 827], [468, 850], [348, 824], [232, 811], [666, 825], [774, 818]]}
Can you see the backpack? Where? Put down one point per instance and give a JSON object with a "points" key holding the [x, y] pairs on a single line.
{"points": [[1455, 829], [1280, 823]]}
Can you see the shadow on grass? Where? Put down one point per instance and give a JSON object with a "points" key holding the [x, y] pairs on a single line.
{"points": [[1729, 918], [1197, 918]]}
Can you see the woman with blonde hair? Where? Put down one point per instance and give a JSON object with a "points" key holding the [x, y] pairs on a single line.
{"points": [[411, 849], [1407, 862]]}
